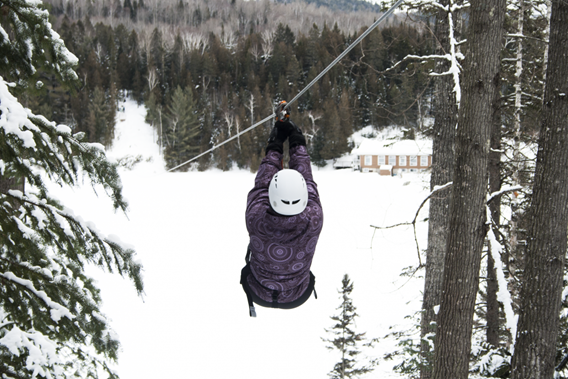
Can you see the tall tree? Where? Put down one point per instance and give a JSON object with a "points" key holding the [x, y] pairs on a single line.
{"points": [[345, 339], [467, 226], [182, 128], [541, 290], [444, 131], [51, 323], [99, 128]]}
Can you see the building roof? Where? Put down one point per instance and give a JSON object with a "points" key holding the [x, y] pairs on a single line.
{"points": [[390, 147]]}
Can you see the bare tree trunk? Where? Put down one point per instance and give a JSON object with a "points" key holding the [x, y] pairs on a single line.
{"points": [[547, 37], [467, 227], [492, 313], [517, 156], [541, 289], [442, 171]]}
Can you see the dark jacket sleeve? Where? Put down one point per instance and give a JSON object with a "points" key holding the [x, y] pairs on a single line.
{"points": [[258, 196], [300, 161]]}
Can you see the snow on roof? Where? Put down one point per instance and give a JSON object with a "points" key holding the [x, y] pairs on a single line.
{"points": [[390, 147]]}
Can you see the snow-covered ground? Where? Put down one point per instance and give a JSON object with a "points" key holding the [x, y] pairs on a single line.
{"points": [[189, 232]]}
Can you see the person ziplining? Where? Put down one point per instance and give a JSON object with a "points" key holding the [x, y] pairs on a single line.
{"points": [[284, 219], [284, 215]]}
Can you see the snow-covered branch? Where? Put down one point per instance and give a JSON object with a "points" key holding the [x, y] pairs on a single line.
{"points": [[502, 191], [64, 223], [56, 310]]}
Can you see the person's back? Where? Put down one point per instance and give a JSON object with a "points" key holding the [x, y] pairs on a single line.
{"points": [[283, 224]]}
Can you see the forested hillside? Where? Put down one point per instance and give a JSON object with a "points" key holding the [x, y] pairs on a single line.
{"points": [[206, 70], [346, 5]]}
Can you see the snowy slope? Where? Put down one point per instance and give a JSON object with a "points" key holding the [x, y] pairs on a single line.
{"points": [[188, 230]]}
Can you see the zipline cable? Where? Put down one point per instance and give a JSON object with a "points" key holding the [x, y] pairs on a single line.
{"points": [[329, 67], [346, 51], [224, 142]]}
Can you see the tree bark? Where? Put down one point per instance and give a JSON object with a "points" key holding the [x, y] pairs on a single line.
{"points": [[467, 211], [442, 171], [492, 313], [541, 289], [7, 184]]}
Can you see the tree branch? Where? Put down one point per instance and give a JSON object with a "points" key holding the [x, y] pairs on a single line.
{"points": [[413, 222]]}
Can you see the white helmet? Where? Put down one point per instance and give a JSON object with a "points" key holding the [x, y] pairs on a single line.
{"points": [[288, 193]]}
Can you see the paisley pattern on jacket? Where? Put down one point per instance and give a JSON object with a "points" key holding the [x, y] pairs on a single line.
{"points": [[282, 247]]}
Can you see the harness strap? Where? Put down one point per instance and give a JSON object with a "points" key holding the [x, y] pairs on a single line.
{"points": [[315, 293], [244, 274], [274, 298]]}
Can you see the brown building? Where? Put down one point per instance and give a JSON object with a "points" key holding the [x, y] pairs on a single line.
{"points": [[389, 157]]}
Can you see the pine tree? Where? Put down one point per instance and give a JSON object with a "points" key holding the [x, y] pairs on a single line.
{"points": [[345, 339], [183, 127], [333, 134], [98, 127], [50, 319]]}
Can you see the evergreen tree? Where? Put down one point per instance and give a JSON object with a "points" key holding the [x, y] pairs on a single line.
{"points": [[333, 133], [98, 128], [345, 339], [51, 322], [284, 34], [183, 127]]}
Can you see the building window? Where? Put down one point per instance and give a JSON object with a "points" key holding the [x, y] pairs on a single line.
{"points": [[402, 160], [392, 160], [381, 160], [424, 160], [413, 160], [368, 160]]}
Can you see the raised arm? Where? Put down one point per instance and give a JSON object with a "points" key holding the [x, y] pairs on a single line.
{"points": [[270, 165], [300, 161], [299, 158]]}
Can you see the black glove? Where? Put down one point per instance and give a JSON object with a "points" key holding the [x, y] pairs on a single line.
{"points": [[278, 135], [296, 138]]}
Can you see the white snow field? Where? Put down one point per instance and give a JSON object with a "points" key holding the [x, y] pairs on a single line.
{"points": [[189, 232]]}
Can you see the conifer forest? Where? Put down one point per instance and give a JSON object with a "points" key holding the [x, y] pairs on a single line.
{"points": [[207, 70], [484, 80]]}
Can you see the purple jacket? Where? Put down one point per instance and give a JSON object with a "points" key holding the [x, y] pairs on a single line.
{"points": [[282, 247]]}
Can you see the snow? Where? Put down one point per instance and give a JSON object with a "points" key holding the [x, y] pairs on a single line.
{"points": [[56, 310], [390, 147], [14, 117], [503, 294], [189, 232], [42, 351]]}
